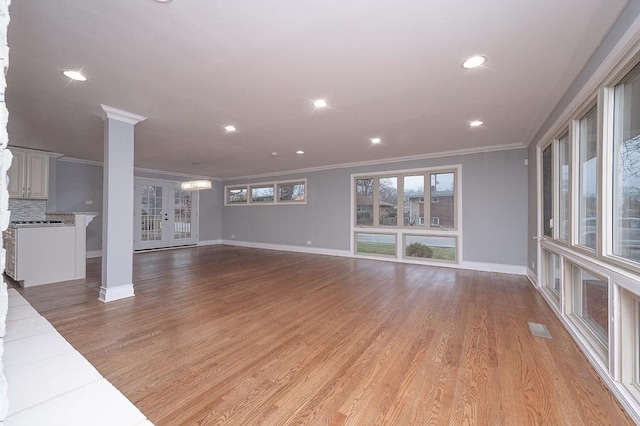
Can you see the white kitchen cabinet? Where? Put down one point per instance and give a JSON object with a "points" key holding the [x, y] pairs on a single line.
{"points": [[29, 174]]}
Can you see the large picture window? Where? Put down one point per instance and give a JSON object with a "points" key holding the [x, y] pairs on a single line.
{"points": [[422, 201], [626, 168]]}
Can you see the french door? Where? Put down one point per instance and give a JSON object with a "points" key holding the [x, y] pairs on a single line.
{"points": [[165, 215]]}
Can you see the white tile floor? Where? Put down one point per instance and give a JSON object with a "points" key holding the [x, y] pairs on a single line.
{"points": [[51, 383]]}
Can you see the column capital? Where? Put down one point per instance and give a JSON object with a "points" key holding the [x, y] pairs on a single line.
{"points": [[106, 112]]}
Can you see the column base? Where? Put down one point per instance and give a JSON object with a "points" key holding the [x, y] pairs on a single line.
{"points": [[109, 294]]}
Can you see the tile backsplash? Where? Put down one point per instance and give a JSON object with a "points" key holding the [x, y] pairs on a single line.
{"points": [[27, 209]]}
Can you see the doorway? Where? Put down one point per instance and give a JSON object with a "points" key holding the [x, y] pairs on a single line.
{"points": [[165, 215]]}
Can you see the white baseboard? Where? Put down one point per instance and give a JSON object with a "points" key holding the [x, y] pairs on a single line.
{"points": [[532, 277], [495, 267], [94, 253], [109, 294], [209, 242], [297, 249]]}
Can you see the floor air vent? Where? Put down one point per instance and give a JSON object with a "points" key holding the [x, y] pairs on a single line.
{"points": [[539, 330]]}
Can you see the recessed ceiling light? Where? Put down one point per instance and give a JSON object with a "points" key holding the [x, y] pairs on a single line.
{"points": [[474, 61], [274, 154], [375, 140], [74, 75], [300, 152], [320, 103], [230, 128], [475, 123], [163, 1]]}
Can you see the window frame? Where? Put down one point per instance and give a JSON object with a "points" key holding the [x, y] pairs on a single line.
{"points": [[400, 230]]}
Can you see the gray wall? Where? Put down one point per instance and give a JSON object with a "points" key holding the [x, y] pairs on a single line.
{"points": [[75, 183], [494, 206], [622, 24]]}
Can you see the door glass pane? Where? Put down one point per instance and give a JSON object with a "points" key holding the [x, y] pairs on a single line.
{"points": [[364, 202], [626, 163], [183, 214], [547, 191], [441, 202], [565, 200], [388, 201], [151, 213], [588, 152], [413, 199]]}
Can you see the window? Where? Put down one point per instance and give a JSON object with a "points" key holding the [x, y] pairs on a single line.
{"points": [[626, 168], [442, 189], [262, 194], [413, 200], [388, 201], [364, 202], [430, 247], [291, 192], [590, 307], [283, 192], [547, 188], [588, 175], [552, 276], [236, 195], [397, 204], [564, 190], [376, 244]]}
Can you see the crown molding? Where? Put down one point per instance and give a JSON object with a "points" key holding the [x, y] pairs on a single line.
{"points": [[139, 169], [105, 111], [467, 151]]}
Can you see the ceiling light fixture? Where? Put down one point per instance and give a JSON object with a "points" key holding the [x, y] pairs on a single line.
{"points": [[196, 185], [475, 123], [74, 75], [320, 103], [474, 61], [375, 141], [163, 1], [300, 152], [230, 128]]}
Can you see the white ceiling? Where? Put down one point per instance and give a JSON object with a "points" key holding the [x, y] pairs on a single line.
{"points": [[388, 68]]}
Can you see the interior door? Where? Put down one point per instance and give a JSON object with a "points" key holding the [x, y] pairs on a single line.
{"points": [[165, 215]]}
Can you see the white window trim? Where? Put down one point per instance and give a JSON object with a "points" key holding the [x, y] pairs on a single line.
{"points": [[276, 199]]}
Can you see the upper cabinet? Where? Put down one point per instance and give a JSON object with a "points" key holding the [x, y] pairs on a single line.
{"points": [[29, 174]]}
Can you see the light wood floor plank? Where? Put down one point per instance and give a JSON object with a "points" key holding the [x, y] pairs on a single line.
{"points": [[238, 336]]}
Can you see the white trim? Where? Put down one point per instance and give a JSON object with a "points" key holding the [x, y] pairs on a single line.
{"points": [[495, 267], [109, 294], [139, 169], [281, 247], [105, 111], [94, 253], [467, 151], [532, 277], [210, 242]]}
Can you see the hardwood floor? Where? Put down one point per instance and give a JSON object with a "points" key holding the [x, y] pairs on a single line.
{"points": [[227, 335]]}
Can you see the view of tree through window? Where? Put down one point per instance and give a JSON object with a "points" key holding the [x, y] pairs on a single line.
{"points": [[547, 191], [626, 207], [388, 201], [364, 202]]}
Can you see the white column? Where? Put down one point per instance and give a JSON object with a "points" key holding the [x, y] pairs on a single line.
{"points": [[117, 202]]}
